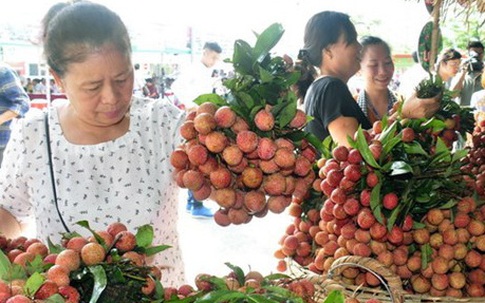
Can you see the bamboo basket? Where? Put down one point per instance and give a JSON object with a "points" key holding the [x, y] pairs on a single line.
{"points": [[393, 291]]}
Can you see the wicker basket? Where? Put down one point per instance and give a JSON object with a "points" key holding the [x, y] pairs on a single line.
{"points": [[392, 283]]}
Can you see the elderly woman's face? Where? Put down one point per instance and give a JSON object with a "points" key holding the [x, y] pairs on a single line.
{"points": [[101, 87]]}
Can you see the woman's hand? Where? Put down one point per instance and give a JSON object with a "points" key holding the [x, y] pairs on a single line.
{"points": [[415, 107], [9, 226]]}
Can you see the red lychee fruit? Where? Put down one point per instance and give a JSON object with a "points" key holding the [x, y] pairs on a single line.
{"points": [[47, 289], [255, 201], [126, 241], [247, 141], [204, 123], [93, 253], [225, 117], [206, 107], [70, 294], [187, 130], [232, 155], [266, 148], [299, 120], [69, 258], [390, 201], [340, 153], [264, 120]]}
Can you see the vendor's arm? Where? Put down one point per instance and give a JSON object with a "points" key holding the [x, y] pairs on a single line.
{"points": [[415, 107], [9, 226], [7, 116], [341, 128]]}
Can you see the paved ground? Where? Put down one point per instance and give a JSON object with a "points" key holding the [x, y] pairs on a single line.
{"points": [[207, 246]]}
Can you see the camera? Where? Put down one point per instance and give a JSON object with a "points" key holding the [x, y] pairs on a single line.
{"points": [[474, 62]]}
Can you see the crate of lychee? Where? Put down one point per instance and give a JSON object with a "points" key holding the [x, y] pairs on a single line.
{"points": [[109, 266], [247, 150], [397, 195]]}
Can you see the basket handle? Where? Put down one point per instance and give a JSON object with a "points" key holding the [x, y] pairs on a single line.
{"points": [[387, 277]]}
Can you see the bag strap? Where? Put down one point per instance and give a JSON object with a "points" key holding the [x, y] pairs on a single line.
{"points": [[51, 168]]}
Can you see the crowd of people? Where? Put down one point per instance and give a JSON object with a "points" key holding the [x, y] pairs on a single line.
{"points": [[102, 157]]}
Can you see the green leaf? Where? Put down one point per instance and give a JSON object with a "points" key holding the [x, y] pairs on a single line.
{"points": [[388, 133], [363, 147], [150, 251], [426, 252], [287, 114], [265, 75], [222, 296], [144, 236], [36, 265], [267, 40], [335, 296], [246, 99], [400, 168], [5, 266], [375, 202], [55, 298], [242, 57], [33, 284], [100, 282], [390, 145], [414, 148], [209, 97], [98, 238], [459, 155], [53, 248], [238, 271], [436, 125]]}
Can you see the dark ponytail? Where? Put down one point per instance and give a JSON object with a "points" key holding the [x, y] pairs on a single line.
{"points": [[308, 75]]}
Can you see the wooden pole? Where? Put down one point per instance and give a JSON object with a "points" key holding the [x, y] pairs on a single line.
{"points": [[435, 34]]}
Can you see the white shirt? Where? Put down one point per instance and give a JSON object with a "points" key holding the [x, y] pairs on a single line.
{"points": [[128, 179], [193, 81]]}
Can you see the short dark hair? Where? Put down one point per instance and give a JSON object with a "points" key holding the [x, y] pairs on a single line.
{"points": [[474, 43], [136, 66], [213, 46], [449, 54]]}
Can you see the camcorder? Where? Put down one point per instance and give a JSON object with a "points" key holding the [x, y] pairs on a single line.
{"points": [[473, 62]]}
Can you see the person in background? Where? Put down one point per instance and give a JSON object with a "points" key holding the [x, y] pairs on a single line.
{"points": [[40, 87], [472, 82], [194, 81], [14, 102], [478, 102], [409, 80], [449, 69], [53, 87], [377, 70], [139, 83], [108, 148], [331, 46], [150, 89], [29, 86]]}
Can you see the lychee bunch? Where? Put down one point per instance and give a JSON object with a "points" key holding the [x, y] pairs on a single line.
{"points": [[474, 163], [247, 150], [244, 171], [35, 271], [249, 286]]}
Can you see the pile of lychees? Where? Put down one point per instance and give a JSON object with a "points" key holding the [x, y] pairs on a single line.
{"points": [[474, 163], [397, 199], [31, 270]]}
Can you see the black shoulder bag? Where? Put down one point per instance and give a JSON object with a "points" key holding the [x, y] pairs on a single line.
{"points": [[51, 168]]}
